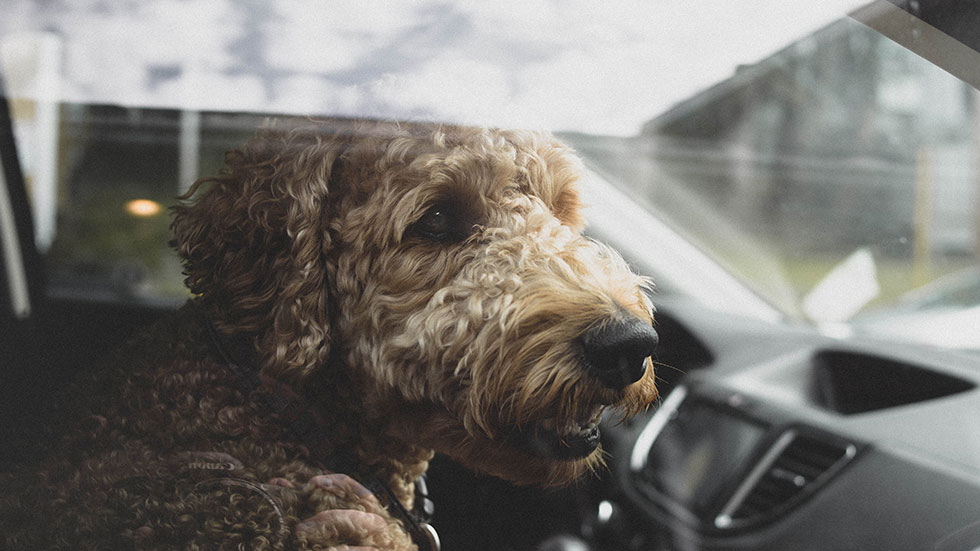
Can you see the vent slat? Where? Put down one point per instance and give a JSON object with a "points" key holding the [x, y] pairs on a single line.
{"points": [[768, 493], [799, 467], [814, 452], [769, 486]]}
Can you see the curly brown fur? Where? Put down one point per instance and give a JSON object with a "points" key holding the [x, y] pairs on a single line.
{"points": [[427, 288]]}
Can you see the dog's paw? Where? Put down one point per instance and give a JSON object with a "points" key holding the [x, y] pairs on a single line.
{"points": [[349, 517]]}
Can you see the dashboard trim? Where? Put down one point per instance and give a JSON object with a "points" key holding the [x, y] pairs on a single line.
{"points": [[649, 434]]}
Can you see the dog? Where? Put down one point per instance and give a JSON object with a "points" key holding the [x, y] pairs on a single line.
{"points": [[364, 295]]}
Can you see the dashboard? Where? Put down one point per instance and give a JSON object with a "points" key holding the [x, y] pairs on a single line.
{"points": [[778, 437]]}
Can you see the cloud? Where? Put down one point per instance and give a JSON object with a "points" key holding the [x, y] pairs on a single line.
{"points": [[563, 65]]}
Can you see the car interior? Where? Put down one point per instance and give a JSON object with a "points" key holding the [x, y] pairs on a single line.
{"points": [[767, 435]]}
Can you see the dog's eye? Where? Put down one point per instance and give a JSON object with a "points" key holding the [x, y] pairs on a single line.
{"points": [[435, 224]]}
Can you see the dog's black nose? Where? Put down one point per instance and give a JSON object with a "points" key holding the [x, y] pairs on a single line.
{"points": [[616, 351]]}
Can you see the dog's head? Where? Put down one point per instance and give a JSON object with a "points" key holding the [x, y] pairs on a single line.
{"points": [[446, 266]]}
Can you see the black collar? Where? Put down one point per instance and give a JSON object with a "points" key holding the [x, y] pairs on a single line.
{"points": [[308, 428]]}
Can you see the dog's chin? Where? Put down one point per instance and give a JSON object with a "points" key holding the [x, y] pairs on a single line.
{"points": [[541, 453], [542, 458], [545, 441]]}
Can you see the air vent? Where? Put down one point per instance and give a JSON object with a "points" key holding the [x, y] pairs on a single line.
{"points": [[795, 466]]}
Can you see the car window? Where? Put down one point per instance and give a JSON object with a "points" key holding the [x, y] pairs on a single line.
{"points": [[840, 142], [815, 159], [119, 108], [106, 226]]}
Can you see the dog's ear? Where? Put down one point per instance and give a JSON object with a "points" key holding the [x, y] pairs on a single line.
{"points": [[254, 242]]}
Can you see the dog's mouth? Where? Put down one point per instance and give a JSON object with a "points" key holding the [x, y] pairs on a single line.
{"points": [[561, 441]]}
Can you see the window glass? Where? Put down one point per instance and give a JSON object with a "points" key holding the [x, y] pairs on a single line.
{"points": [[101, 196], [119, 171], [832, 171], [842, 142]]}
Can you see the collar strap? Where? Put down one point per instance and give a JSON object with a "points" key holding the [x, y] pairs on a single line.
{"points": [[417, 521]]}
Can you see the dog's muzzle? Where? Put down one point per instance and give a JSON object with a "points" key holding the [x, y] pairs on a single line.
{"points": [[615, 354]]}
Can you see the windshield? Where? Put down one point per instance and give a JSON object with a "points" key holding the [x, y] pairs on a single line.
{"points": [[831, 170], [836, 177]]}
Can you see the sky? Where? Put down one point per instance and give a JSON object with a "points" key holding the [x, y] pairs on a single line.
{"points": [[588, 66]]}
